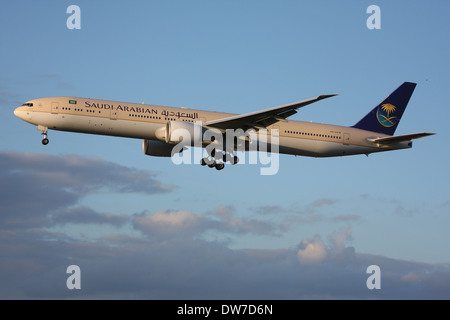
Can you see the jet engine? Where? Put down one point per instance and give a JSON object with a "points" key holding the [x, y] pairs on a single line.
{"points": [[157, 148]]}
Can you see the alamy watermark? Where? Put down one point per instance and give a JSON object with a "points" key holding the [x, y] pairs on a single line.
{"points": [[374, 21], [74, 280], [223, 146], [374, 280], [74, 20]]}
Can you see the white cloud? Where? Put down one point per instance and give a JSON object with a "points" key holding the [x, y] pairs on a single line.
{"points": [[412, 277], [188, 224], [338, 239], [313, 251], [173, 223], [222, 211], [174, 218]]}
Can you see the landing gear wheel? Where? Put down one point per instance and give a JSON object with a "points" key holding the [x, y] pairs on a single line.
{"points": [[45, 141], [204, 161], [220, 166], [212, 163]]}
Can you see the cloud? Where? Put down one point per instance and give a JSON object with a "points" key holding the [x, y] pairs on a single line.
{"points": [[222, 211], [290, 220], [171, 258], [81, 175], [170, 223], [346, 217], [401, 210], [312, 251], [338, 239], [412, 277], [188, 224], [318, 211], [270, 209], [307, 209], [38, 186], [323, 202], [315, 251], [86, 215], [121, 267], [54, 185]]}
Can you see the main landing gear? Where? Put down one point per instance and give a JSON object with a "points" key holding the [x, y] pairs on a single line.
{"points": [[212, 160]]}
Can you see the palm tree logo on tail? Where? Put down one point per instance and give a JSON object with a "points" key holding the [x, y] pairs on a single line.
{"points": [[384, 115]]}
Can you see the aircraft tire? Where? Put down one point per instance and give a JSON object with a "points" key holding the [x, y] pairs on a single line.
{"points": [[220, 166]]}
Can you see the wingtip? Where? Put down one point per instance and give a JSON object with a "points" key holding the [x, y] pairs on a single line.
{"points": [[324, 96]]}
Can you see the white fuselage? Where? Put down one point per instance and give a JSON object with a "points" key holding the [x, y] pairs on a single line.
{"points": [[142, 122]]}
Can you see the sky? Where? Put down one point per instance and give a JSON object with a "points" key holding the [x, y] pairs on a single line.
{"points": [[141, 227]]}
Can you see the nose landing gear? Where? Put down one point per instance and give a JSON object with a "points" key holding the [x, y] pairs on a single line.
{"points": [[44, 130], [45, 140]]}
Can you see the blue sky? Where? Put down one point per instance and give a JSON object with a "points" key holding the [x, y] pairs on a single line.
{"points": [[99, 201]]}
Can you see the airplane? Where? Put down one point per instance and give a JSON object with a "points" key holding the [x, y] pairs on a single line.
{"points": [[158, 126]]}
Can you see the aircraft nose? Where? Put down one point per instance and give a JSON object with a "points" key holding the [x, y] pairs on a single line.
{"points": [[19, 112]]}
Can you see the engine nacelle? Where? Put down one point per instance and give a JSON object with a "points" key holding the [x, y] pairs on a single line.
{"points": [[179, 131], [157, 148]]}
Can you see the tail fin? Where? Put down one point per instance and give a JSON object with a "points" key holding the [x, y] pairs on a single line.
{"points": [[385, 117]]}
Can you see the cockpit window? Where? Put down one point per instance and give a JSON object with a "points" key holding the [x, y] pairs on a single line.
{"points": [[29, 104]]}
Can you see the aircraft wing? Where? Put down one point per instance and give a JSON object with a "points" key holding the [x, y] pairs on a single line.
{"points": [[401, 138], [264, 118]]}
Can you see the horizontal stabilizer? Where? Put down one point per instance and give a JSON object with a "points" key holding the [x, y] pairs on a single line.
{"points": [[401, 138]]}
